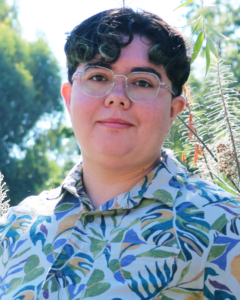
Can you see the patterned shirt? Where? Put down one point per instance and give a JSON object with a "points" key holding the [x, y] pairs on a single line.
{"points": [[172, 237]]}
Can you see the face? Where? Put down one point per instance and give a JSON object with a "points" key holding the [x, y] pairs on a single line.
{"points": [[115, 131]]}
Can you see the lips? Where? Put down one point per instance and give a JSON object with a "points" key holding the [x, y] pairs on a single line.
{"points": [[115, 120], [116, 123]]}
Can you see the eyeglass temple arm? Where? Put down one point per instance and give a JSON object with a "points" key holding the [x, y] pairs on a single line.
{"points": [[74, 75], [168, 87]]}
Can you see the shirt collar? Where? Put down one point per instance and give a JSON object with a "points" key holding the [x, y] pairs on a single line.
{"points": [[162, 184]]}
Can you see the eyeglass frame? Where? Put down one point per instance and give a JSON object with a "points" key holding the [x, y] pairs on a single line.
{"points": [[126, 78]]}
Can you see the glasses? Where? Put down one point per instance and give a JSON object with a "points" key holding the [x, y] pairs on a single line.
{"points": [[141, 87]]}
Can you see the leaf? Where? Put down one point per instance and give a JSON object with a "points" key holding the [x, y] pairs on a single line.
{"points": [[219, 223], [63, 207], [184, 272], [31, 264], [127, 260], [118, 276], [157, 253], [119, 237], [79, 237], [114, 218], [197, 46], [114, 265], [163, 195], [183, 291], [166, 298], [97, 246], [17, 255], [54, 286], [96, 233], [212, 46], [97, 289], [216, 251], [198, 23], [216, 32], [14, 283], [97, 275], [224, 184], [184, 4], [208, 59], [226, 187], [48, 249], [235, 267], [126, 274], [34, 274]]}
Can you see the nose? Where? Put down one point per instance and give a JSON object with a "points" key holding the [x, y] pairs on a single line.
{"points": [[117, 97]]}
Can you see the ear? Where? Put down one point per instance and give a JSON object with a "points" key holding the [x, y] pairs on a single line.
{"points": [[66, 92], [177, 105]]}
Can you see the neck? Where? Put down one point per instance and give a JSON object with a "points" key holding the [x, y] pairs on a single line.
{"points": [[103, 183]]}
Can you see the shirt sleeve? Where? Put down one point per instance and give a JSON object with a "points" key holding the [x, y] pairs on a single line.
{"points": [[5, 223], [222, 272]]}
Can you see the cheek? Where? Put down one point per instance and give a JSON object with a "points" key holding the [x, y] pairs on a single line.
{"points": [[155, 126], [156, 117], [81, 116], [81, 107]]}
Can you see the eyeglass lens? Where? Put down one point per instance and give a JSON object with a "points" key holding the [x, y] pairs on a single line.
{"points": [[140, 86]]}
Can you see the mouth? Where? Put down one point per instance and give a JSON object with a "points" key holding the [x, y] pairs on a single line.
{"points": [[115, 123]]}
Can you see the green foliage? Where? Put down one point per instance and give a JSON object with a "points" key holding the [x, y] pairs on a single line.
{"points": [[214, 115], [215, 24], [30, 89], [185, 3], [206, 30], [197, 46]]}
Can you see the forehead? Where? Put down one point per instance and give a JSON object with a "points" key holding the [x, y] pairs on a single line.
{"points": [[134, 55]]}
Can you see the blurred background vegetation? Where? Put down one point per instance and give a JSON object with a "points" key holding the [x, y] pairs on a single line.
{"points": [[35, 146], [37, 149]]}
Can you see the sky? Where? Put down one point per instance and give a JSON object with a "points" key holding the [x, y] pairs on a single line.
{"points": [[54, 18]]}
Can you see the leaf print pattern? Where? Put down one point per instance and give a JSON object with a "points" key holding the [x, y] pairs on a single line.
{"points": [[191, 229], [171, 237]]}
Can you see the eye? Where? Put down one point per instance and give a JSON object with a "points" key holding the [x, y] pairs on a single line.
{"points": [[143, 83], [98, 77]]}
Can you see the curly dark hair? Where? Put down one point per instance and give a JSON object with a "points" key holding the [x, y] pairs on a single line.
{"points": [[105, 34]]}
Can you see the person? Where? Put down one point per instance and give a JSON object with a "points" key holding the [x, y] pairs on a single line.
{"points": [[128, 222]]}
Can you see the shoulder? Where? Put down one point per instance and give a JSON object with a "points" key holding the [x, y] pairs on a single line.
{"points": [[29, 209]]}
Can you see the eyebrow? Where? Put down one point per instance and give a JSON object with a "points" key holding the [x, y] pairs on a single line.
{"points": [[136, 69], [147, 69], [100, 64]]}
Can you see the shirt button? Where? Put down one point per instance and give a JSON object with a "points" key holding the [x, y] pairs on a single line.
{"points": [[59, 274], [90, 218]]}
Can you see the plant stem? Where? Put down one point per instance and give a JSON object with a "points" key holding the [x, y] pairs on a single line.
{"points": [[227, 118], [210, 152], [203, 25], [206, 162], [196, 135], [234, 185]]}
